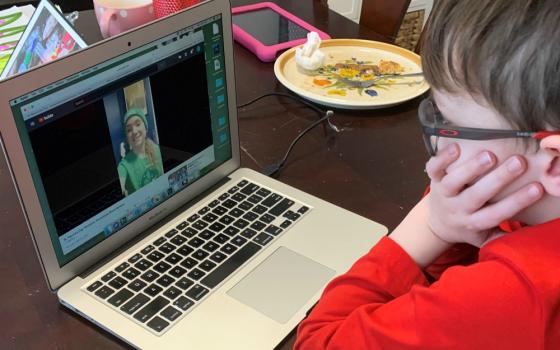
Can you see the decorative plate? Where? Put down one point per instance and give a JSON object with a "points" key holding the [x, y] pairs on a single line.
{"points": [[350, 66]]}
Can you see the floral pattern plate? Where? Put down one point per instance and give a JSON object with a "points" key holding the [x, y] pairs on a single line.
{"points": [[349, 61]]}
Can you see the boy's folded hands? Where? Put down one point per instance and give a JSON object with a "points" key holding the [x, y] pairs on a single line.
{"points": [[462, 208]]}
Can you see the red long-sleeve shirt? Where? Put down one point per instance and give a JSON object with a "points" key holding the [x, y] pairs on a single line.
{"points": [[508, 299]]}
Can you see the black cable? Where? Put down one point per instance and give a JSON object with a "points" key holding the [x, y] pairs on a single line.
{"points": [[274, 169]]}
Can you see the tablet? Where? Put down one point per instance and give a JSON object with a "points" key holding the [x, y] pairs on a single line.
{"points": [[48, 36], [266, 29]]}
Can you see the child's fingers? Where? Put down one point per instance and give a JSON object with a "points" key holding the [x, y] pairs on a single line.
{"points": [[455, 182], [506, 208], [492, 183], [436, 166]]}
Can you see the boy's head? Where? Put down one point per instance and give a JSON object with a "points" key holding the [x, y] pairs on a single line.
{"points": [[495, 64]]}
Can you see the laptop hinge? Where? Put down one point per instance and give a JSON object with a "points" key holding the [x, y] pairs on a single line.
{"points": [[153, 228]]}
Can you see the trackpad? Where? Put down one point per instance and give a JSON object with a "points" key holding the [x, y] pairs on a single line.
{"points": [[281, 284]]}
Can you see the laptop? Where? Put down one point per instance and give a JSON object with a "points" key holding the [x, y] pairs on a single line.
{"points": [[125, 158]]}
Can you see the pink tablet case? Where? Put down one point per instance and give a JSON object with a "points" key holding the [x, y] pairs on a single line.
{"points": [[269, 53]]}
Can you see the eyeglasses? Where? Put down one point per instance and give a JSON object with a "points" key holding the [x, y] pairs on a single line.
{"points": [[434, 126]]}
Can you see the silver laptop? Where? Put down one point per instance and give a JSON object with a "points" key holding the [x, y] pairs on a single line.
{"points": [[125, 157]]}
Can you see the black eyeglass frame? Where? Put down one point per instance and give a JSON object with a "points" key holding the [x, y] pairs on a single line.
{"points": [[441, 130]]}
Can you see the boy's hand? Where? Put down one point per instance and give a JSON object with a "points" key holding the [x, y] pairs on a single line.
{"points": [[459, 210]]}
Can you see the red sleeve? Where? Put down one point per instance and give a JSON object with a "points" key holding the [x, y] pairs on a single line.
{"points": [[384, 302]]}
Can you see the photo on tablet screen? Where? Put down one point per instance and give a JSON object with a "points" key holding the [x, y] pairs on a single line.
{"points": [[48, 36]]}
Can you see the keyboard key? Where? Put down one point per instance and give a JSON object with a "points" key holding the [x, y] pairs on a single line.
{"points": [[218, 257], [196, 274], [203, 211], [242, 183], [285, 224], [118, 282], [229, 203], [238, 241], [121, 297], [217, 227], [172, 292], [189, 263], [137, 285], [143, 265], [214, 203], [250, 216], [281, 207], [223, 196], [155, 256], [158, 324], [178, 240], [254, 199], [219, 210], [263, 238], [200, 225], [171, 313], [182, 225], [149, 276], [167, 248], [134, 258], [267, 218], [162, 266], [230, 265], [184, 283], [152, 290], [151, 309], [206, 234], [108, 276], [303, 210], [249, 189], [258, 225], [248, 233], [236, 212], [122, 267], [200, 254], [207, 265], [135, 303], [104, 292], [165, 281], [131, 273], [241, 224], [197, 292], [272, 200], [211, 246], [228, 248], [263, 192], [92, 287], [231, 231], [160, 241], [185, 250], [173, 232], [233, 190], [196, 242], [210, 218], [147, 250], [221, 238], [273, 230], [173, 258], [226, 219], [183, 303], [192, 218], [177, 271], [259, 209], [245, 205], [189, 232], [238, 197]]}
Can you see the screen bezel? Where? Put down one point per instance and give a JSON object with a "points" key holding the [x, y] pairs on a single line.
{"points": [[36, 78]]}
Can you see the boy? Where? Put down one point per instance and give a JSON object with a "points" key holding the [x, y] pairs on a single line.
{"points": [[494, 69]]}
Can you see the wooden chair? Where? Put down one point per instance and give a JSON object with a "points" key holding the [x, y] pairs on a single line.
{"points": [[384, 16]]}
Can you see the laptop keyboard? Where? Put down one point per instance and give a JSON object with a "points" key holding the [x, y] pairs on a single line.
{"points": [[157, 285]]}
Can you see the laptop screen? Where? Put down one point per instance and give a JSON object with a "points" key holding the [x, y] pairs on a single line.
{"points": [[112, 142]]}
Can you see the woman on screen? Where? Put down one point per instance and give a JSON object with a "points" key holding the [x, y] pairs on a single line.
{"points": [[141, 162]]}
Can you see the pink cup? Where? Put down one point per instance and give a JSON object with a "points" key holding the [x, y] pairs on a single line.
{"points": [[117, 16]]}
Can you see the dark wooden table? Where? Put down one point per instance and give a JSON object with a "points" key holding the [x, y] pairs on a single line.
{"points": [[372, 167]]}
